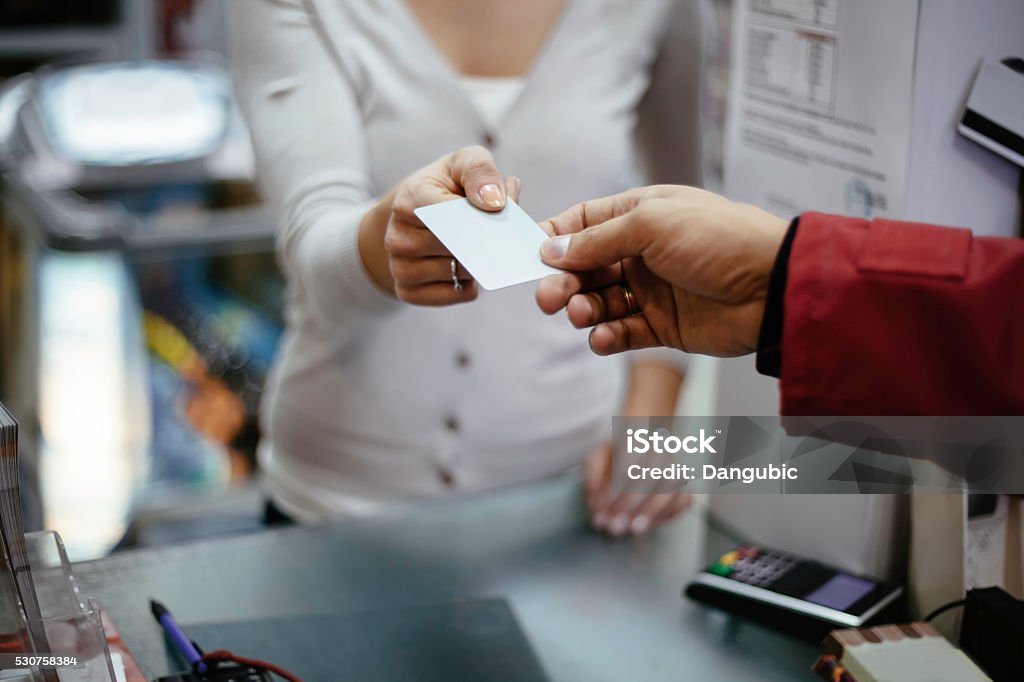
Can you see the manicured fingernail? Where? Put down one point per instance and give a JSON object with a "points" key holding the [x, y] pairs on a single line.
{"points": [[492, 196], [599, 520], [519, 186], [556, 247], [640, 525], [618, 525]]}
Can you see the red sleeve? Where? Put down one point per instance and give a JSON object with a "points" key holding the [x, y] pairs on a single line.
{"points": [[891, 318]]}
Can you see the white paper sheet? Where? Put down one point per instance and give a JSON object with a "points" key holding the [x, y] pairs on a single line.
{"points": [[821, 94]]}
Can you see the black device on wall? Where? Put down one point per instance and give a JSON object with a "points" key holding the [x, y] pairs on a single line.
{"points": [[992, 633], [992, 115]]}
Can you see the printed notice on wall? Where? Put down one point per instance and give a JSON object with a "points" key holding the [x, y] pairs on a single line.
{"points": [[820, 105]]}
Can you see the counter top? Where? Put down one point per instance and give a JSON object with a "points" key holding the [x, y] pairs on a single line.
{"points": [[594, 609]]}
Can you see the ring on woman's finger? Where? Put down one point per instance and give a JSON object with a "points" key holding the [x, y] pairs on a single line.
{"points": [[455, 275]]}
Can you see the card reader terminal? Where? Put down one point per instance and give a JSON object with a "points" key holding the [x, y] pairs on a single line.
{"points": [[791, 593]]}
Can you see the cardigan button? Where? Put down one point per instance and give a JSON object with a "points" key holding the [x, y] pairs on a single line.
{"points": [[488, 140], [462, 360]]}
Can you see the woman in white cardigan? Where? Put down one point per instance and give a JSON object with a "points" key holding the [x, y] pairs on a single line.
{"points": [[393, 382]]}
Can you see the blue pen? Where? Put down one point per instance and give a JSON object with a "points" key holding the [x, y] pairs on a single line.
{"points": [[177, 636]]}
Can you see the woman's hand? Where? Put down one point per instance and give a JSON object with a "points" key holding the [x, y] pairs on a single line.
{"points": [[625, 513], [653, 390], [402, 255]]}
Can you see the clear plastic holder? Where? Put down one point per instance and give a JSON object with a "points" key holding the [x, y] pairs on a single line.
{"points": [[73, 627]]}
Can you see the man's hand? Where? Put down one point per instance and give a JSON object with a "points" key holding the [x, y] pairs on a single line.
{"points": [[697, 264]]}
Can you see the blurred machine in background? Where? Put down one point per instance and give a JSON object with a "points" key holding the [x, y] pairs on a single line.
{"points": [[141, 300], [37, 32]]}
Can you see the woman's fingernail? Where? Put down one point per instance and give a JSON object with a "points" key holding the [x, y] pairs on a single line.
{"points": [[599, 520], [618, 525], [492, 196], [640, 525], [519, 187], [556, 247]]}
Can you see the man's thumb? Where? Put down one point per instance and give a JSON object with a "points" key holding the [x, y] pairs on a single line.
{"points": [[592, 248]]}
